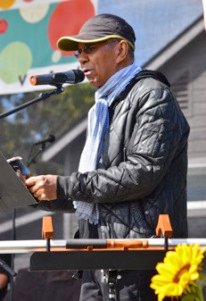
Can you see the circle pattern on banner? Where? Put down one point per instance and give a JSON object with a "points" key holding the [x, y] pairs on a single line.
{"points": [[67, 19], [56, 56], [34, 14], [29, 35], [3, 26], [16, 66], [4, 4]]}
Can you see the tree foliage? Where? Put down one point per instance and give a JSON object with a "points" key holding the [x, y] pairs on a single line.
{"points": [[55, 116]]}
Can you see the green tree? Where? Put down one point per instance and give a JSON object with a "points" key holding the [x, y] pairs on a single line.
{"points": [[55, 115]]}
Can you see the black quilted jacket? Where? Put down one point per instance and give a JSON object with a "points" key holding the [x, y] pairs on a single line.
{"points": [[143, 168]]}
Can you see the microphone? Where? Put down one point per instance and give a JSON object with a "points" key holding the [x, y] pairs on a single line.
{"points": [[70, 77], [49, 139]]}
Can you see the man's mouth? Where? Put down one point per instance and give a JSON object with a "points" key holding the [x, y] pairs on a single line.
{"points": [[87, 71]]}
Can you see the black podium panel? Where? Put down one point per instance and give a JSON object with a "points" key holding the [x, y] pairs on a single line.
{"points": [[86, 260]]}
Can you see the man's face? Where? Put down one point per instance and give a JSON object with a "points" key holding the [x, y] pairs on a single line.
{"points": [[98, 61]]}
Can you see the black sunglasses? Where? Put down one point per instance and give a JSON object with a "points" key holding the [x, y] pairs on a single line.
{"points": [[89, 48]]}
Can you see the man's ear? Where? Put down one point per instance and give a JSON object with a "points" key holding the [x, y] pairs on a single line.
{"points": [[123, 50]]}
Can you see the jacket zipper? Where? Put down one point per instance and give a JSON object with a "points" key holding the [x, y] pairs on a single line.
{"points": [[124, 154]]}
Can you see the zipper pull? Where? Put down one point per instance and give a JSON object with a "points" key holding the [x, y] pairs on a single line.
{"points": [[124, 154]]}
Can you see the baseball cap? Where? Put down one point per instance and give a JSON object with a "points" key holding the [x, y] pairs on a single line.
{"points": [[97, 29]]}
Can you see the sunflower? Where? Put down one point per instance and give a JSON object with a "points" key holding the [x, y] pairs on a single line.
{"points": [[179, 271]]}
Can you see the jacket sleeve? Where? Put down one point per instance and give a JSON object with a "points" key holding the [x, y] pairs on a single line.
{"points": [[158, 134]]}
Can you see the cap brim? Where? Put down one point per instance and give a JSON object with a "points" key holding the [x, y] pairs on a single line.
{"points": [[70, 43]]}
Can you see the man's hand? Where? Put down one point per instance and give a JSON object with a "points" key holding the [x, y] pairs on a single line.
{"points": [[43, 187]]}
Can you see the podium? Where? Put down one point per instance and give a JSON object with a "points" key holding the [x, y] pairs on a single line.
{"points": [[87, 254], [56, 258]]}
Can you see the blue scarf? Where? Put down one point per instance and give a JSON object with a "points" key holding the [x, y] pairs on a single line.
{"points": [[98, 125]]}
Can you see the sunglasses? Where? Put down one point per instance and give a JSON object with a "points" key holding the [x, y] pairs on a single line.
{"points": [[90, 48]]}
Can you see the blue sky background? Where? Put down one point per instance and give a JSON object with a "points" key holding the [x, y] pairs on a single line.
{"points": [[156, 22]]}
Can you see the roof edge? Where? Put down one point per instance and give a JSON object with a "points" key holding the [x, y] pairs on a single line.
{"points": [[176, 44], [64, 141]]}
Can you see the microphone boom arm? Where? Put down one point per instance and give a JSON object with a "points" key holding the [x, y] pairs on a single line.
{"points": [[43, 96]]}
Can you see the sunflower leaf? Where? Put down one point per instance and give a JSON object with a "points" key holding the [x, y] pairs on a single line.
{"points": [[195, 294]]}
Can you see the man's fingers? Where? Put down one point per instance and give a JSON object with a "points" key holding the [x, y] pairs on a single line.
{"points": [[43, 187], [31, 181], [40, 195]]}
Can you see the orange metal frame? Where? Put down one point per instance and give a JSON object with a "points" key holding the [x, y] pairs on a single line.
{"points": [[163, 229]]}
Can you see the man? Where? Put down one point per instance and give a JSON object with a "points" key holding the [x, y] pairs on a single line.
{"points": [[134, 163]]}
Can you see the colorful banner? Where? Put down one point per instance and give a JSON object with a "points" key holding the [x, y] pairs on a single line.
{"points": [[29, 30]]}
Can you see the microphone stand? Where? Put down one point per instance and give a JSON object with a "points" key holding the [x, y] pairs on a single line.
{"points": [[42, 96], [33, 159]]}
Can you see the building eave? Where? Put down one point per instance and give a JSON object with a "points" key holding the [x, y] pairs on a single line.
{"points": [[176, 45], [64, 141]]}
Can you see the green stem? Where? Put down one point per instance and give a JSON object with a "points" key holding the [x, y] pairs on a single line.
{"points": [[201, 297]]}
